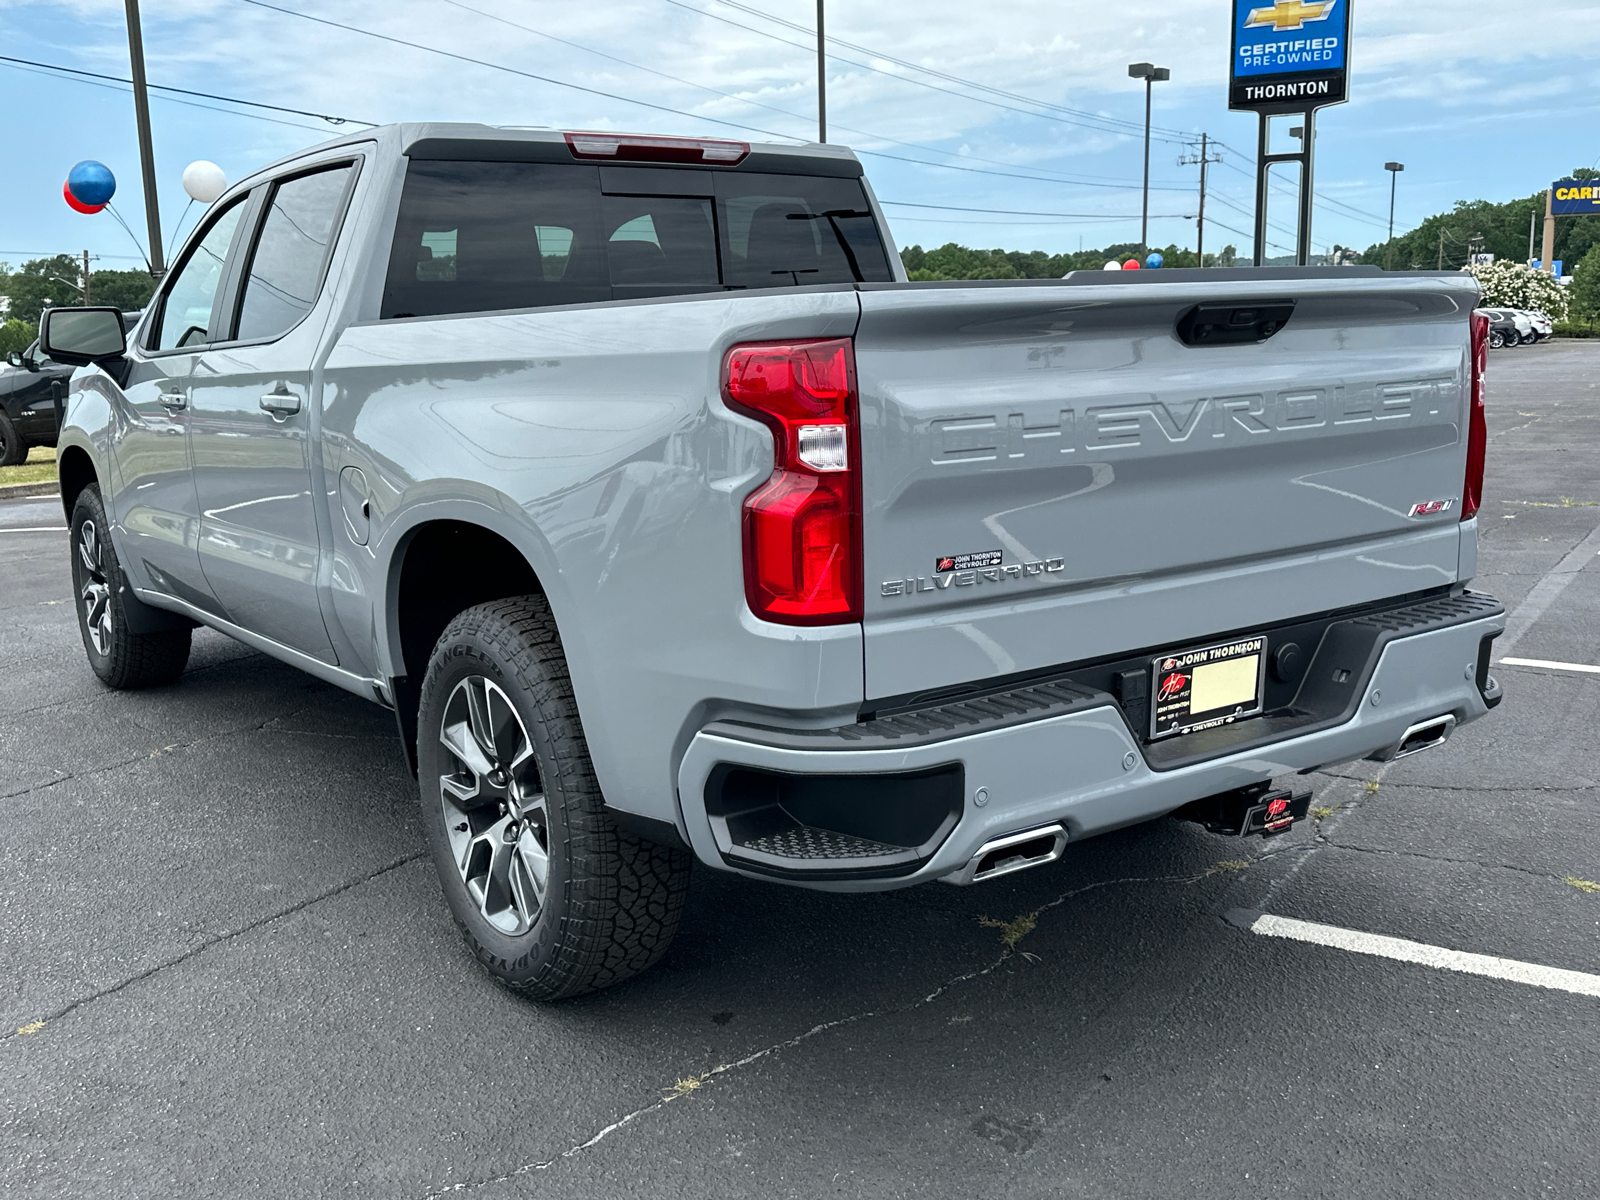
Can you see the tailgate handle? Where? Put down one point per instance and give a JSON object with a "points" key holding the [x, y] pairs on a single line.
{"points": [[1232, 323]]}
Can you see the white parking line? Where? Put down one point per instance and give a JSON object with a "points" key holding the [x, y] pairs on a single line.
{"points": [[35, 529], [1578, 982], [1550, 666]]}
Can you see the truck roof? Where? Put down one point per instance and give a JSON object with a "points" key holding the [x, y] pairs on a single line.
{"points": [[500, 143]]}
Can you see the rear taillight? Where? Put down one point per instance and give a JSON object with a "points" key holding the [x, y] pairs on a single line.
{"points": [[1477, 421], [802, 527]]}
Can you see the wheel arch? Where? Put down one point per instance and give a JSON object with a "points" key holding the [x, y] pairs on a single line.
{"points": [[441, 566], [75, 470]]}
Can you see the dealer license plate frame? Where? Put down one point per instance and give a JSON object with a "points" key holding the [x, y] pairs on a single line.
{"points": [[1170, 715]]}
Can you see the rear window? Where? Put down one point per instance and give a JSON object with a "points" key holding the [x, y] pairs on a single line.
{"points": [[480, 236]]}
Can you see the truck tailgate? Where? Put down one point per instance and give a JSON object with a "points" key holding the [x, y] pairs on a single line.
{"points": [[1050, 475]]}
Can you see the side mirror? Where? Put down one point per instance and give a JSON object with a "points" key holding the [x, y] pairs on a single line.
{"points": [[80, 336], [14, 359]]}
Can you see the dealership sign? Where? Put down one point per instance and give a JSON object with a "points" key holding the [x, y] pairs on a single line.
{"points": [[1289, 55], [1575, 197]]}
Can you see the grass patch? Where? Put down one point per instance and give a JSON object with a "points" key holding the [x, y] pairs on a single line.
{"points": [[1230, 864], [686, 1085], [39, 467], [30, 1027], [1583, 885], [1372, 786], [1323, 811], [1012, 931]]}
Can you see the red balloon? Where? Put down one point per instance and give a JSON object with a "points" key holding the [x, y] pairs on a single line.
{"points": [[75, 204], [1131, 265]]}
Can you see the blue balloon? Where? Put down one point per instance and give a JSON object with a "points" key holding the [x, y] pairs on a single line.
{"points": [[1154, 261], [92, 182]]}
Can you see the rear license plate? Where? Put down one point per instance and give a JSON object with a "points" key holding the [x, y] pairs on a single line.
{"points": [[1204, 688]]}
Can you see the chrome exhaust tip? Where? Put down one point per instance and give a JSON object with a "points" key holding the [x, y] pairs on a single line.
{"points": [[1424, 735], [1014, 852]]}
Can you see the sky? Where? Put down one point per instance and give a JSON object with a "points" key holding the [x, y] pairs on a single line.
{"points": [[1005, 124]]}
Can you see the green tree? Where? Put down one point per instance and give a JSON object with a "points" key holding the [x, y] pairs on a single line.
{"points": [[15, 337], [1585, 290], [127, 290], [53, 280]]}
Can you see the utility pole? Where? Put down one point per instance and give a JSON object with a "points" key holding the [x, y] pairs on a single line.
{"points": [[1532, 217], [147, 159], [1441, 250], [822, 80], [1151, 74], [1203, 158], [86, 300]]}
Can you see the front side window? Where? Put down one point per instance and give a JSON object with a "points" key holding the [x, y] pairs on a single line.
{"points": [[291, 252], [186, 310], [482, 236]]}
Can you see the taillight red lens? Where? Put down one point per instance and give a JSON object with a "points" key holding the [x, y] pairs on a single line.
{"points": [[802, 527], [1477, 420]]}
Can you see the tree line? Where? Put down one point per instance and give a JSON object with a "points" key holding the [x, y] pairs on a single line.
{"points": [[58, 280]]}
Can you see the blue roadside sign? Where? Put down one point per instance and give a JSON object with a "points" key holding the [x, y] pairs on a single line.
{"points": [[1289, 55], [1575, 197]]}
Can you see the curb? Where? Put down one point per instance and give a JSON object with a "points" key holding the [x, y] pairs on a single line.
{"points": [[16, 491]]}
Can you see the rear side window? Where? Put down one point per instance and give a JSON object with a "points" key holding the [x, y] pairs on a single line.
{"points": [[291, 252], [793, 230], [476, 237]]}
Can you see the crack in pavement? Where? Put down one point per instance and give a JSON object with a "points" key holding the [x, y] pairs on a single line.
{"points": [[231, 935], [1439, 858], [724, 1068], [149, 754], [1461, 787]]}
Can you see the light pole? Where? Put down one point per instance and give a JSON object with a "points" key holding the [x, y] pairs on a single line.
{"points": [[1151, 75], [1394, 170]]}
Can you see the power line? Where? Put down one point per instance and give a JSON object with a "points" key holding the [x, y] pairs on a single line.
{"points": [[1130, 127], [902, 78], [1016, 212], [299, 112], [493, 66], [48, 73], [1041, 174]]}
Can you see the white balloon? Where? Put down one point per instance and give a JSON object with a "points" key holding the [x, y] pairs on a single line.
{"points": [[1113, 265], [204, 181]]}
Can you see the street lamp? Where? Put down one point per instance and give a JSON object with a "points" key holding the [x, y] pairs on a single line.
{"points": [[1394, 170], [1151, 75]]}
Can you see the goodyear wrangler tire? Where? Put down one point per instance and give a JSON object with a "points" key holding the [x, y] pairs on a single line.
{"points": [[550, 895]]}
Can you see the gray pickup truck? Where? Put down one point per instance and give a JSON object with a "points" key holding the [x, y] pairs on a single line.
{"points": [[674, 524]]}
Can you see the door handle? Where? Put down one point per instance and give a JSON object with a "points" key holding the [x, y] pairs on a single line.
{"points": [[281, 403], [173, 401]]}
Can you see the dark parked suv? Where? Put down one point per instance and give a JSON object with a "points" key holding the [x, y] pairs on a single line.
{"points": [[30, 389]]}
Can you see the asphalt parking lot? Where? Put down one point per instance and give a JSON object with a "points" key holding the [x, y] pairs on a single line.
{"points": [[228, 971]]}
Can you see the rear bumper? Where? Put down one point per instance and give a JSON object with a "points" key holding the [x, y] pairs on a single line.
{"points": [[1081, 767]]}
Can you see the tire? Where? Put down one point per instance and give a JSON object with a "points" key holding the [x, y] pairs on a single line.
{"points": [[1529, 339], [1497, 340], [13, 450], [120, 657], [551, 896]]}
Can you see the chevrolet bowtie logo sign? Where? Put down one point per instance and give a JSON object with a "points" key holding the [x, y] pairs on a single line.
{"points": [[1290, 14]]}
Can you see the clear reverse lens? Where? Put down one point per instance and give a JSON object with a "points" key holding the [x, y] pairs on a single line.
{"points": [[824, 448]]}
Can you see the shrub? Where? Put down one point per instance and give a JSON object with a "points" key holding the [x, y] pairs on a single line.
{"points": [[1513, 285]]}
